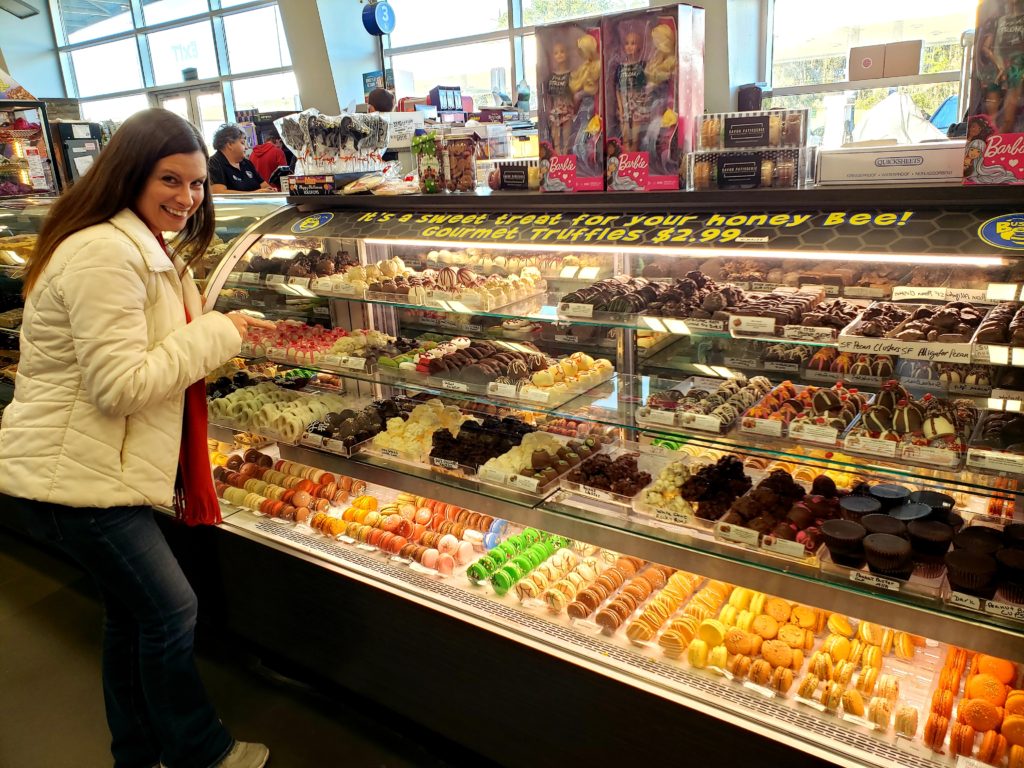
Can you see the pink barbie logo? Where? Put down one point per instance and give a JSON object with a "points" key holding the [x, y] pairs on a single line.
{"points": [[1006, 150], [563, 168], [634, 166]]}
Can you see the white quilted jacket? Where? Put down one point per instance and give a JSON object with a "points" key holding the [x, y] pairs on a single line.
{"points": [[106, 356]]}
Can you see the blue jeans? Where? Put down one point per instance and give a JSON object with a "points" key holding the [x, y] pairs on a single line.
{"points": [[157, 708]]}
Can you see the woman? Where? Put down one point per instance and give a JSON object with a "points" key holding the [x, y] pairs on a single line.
{"points": [[108, 419], [230, 171]]}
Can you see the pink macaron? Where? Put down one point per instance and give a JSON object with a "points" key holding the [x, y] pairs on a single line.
{"points": [[429, 559], [448, 544], [445, 564]]}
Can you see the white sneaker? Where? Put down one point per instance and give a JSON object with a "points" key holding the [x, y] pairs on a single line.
{"points": [[245, 754]]}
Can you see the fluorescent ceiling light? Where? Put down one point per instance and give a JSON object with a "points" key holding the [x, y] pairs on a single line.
{"points": [[18, 8]]}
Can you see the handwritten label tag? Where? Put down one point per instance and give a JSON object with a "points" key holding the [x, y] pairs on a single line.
{"points": [[536, 395], [250, 277], [737, 534], [673, 517], [563, 338], [742, 362], [276, 279], [1001, 462], [658, 416], [777, 365], [302, 282], [765, 287], [502, 390], [400, 560], [587, 625], [871, 445], [454, 386], [703, 324], [701, 421], [235, 277], [321, 285], [576, 310], [865, 292], [784, 547], [768, 693], [927, 454], [962, 761], [335, 446], [761, 427], [352, 363], [970, 602], [756, 325], [346, 539], [811, 704], [390, 452], [914, 292], [1005, 610], [874, 580], [597, 493], [805, 333], [828, 288], [444, 463]]}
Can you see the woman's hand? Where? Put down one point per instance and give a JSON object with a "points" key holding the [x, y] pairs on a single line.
{"points": [[244, 322]]}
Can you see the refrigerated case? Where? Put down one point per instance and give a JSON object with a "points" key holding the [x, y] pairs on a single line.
{"points": [[26, 154], [725, 385], [78, 144]]}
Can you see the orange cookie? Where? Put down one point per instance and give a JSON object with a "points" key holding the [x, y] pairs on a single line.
{"points": [[872, 657], [1015, 703], [987, 687], [760, 672], [778, 609], [740, 666], [831, 696], [903, 646], [1013, 730], [804, 617], [766, 626], [856, 651], [807, 687], [797, 662], [821, 665], [869, 633], [738, 641], [979, 714], [792, 635], [1001, 669], [880, 712], [961, 740], [887, 639], [906, 721], [935, 732], [838, 647], [782, 680], [838, 624], [842, 673], [777, 653], [1016, 757], [853, 703], [993, 748], [942, 702], [866, 680]]}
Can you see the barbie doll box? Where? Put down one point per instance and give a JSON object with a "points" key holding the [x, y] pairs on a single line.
{"points": [[995, 131], [571, 107], [938, 162], [654, 91]]}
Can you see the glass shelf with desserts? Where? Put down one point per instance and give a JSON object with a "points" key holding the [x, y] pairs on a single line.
{"points": [[567, 380]]}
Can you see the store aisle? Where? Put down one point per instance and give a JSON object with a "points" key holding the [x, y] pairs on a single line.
{"points": [[51, 706]]}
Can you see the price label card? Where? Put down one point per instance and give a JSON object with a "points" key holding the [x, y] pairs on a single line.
{"points": [[768, 693], [345, 289], [864, 292], [783, 547], [762, 287], [962, 761], [811, 704], [576, 310], [859, 721], [336, 446], [563, 338], [311, 441], [703, 421], [454, 386], [276, 279], [1005, 610], [502, 390], [414, 566], [536, 395], [658, 416], [970, 602], [400, 560], [752, 325], [250, 277], [675, 518], [366, 548], [444, 463], [321, 284], [596, 493], [492, 476], [530, 484], [737, 534], [874, 446], [742, 362], [704, 324], [1002, 462], [587, 625], [330, 361], [777, 365], [930, 455], [346, 539], [235, 277], [352, 363], [761, 427], [830, 290], [874, 580], [814, 433], [302, 282], [805, 333], [389, 452]]}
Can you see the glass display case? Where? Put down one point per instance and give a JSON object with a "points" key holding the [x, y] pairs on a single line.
{"points": [[26, 155], [20, 220], [784, 410]]}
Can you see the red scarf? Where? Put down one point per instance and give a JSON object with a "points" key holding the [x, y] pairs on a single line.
{"points": [[195, 500]]}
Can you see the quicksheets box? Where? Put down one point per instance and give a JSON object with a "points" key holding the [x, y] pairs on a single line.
{"points": [[940, 162]]}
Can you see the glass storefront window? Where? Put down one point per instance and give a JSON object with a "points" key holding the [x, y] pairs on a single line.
{"points": [[107, 68], [417, 21], [256, 40], [87, 21], [548, 11], [812, 40], [159, 11], [176, 49], [267, 94], [118, 110], [477, 69]]}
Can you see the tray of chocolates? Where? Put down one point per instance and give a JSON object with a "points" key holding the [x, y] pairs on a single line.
{"points": [[999, 333], [828, 365], [695, 298], [985, 570], [705, 404], [997, 444], [933, 332], [973, 380], [538, 462], [805, 413], [614, 477], [455, 288], [799, 314], [932, 431]]}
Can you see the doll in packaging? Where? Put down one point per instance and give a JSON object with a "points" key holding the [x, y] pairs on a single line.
{"points": [[570, 125]]}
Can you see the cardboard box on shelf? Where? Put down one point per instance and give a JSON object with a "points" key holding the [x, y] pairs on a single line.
{"points": [[902, 59], [940, 162], [867, 62]]}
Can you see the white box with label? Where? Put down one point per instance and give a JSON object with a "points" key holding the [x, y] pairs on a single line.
{"points": [[940, 162]]}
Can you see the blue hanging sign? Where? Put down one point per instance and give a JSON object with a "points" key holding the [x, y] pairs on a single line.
{"points": [[379, 18]]}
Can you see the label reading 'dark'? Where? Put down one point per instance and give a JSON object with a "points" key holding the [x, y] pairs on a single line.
{"points": [[970, 602]]}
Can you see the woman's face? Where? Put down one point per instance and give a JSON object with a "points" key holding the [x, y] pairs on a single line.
{"points": [[235, 151], [174, 191]]}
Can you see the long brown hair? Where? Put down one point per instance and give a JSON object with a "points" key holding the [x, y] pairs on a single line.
{"points": [[115, 182]]}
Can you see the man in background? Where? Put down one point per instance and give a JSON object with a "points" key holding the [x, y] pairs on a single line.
{"points": [[381, 100], [269, 155]]}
